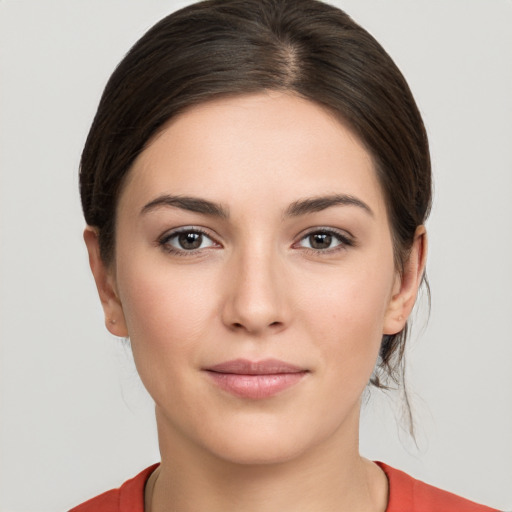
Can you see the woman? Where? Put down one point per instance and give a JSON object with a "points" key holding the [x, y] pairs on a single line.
{"points": [[255, 184]]}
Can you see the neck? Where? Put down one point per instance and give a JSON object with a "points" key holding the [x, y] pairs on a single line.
{"points": [[327, 478]]}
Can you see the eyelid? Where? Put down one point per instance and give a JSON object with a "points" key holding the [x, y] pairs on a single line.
{"points": [[346, 239], [163, 240]]}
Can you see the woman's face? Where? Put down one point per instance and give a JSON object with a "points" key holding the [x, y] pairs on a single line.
{"points": [[253, 230]]}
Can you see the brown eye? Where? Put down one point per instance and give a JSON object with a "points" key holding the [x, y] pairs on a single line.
{"points": [[186, 240], [325, 240], [189, 241], [320, 240]]}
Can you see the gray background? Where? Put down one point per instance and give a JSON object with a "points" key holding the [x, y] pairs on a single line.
{"points": [[75, 420]]}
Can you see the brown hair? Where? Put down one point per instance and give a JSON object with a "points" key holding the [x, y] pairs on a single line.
{"points": [[228, 47]]}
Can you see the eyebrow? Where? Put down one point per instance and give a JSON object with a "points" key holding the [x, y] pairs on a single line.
{"points": [[317, 204], [296, 209], [192, 204]]}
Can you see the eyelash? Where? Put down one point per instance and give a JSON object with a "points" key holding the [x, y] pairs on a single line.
{"points": [[167, 237], [343, 239]]}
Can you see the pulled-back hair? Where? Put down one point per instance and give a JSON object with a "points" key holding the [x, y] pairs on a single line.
{"points": [[219, 48]]}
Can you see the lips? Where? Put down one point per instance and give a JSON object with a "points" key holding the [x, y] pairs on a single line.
{"points": [[245, 367], [255, 379]]}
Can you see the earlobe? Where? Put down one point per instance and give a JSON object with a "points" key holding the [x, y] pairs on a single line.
{"points": [[407, 285], [105, 284]]}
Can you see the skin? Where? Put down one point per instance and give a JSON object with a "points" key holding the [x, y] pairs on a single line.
{"points": [[256, 289]]}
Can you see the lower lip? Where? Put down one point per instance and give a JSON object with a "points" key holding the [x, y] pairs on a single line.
{"points": [[255, 386]]}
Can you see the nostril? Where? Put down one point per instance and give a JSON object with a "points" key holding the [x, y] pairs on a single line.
{"points": [[238, 325]]}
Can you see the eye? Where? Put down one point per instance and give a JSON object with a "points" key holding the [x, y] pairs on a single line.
{"points": [[186, 240], [325, 240]]}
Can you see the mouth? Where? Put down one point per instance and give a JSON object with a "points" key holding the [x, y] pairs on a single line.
{"points": [[255, 379]]}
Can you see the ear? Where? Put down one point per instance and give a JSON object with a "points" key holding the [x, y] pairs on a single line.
{"points": [[104, 276], [407, 284]]}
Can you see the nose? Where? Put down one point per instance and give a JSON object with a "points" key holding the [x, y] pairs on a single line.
{"points": [[256, 301]]}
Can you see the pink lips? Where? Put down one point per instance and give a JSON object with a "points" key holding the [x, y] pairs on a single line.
{"points": [[255, 379]]}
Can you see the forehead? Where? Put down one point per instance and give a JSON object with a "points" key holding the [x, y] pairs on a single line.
{"points": [[239, 149]]}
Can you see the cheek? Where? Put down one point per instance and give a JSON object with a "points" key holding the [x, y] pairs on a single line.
{"points": [[167, 312], [345, 315]]}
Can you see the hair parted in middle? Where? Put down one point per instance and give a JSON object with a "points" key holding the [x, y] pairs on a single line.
{"points": [[222, 48]]}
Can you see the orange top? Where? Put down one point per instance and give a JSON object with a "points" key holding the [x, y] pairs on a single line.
{"points": [[406, 494]]}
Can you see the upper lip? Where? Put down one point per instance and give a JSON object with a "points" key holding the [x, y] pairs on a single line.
{"points": [[246, 367]]}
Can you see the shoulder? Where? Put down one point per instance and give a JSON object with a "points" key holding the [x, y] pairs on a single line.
{"points": [[406, 494], [127, 498]]}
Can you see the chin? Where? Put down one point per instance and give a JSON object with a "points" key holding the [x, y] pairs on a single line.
{"points": [[256, 440], [259, 449]]}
